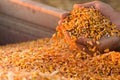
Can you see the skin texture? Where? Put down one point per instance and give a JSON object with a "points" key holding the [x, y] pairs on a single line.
{"points": [[112, 43]]}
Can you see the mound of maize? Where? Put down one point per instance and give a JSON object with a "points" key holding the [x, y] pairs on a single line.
{"points": [[53, 59], [88, 23]]}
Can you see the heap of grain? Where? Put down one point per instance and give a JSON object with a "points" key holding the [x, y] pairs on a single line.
{"points": [[52, 59], [87, 23]]}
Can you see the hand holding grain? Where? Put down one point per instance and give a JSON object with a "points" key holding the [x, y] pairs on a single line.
{"points": [[112, 42]]}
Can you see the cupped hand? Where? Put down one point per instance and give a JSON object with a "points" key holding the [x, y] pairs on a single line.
{"points": [[111, 43]]}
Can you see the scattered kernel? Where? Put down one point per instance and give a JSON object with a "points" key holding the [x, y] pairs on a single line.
{"points": [[106, 50]]}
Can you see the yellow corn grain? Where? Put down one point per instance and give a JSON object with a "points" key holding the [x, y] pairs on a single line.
{"points": [[106, 50]]}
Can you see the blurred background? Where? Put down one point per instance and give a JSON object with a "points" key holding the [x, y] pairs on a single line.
{"points": [[67, 4]]}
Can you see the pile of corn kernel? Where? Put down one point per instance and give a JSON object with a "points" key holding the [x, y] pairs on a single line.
{"points": [[88, 23], [53, 59]]}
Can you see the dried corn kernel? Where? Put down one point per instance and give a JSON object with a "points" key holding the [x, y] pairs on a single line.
{"points": [[106, 50]]}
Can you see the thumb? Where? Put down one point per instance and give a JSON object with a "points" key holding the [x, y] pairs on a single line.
{"points": [[110, 43], [85, 41]]}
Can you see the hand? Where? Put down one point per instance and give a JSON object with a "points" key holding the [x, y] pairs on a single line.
{"points": [[112, 42]]}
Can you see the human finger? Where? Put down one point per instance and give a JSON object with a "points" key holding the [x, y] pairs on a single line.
{"points": [[85, 5], [83, 48], [63, 15], [85, 41], [60, 21], [110, 43]]}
